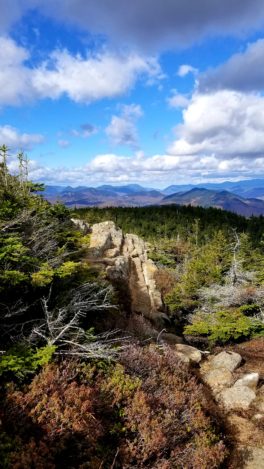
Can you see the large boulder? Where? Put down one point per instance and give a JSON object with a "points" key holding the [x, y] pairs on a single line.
{"points": [[192, 353], [250, 380], [228, 360], [81, 224], [104, 238], [218, 379], [236, 397], [254, 458]]}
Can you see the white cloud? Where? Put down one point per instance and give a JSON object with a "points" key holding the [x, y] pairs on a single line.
{"points": [[15, 77], [81, 78], [14, 139], [178, 100], [186, 69], [85, 79], [122, 129], [221, 137], [132, 111], [155, 170], [226, 124]]}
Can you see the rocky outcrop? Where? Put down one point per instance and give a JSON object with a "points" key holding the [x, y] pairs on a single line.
{"points": [[81, 224], [219, 373], [236, 391], [127, 264]]}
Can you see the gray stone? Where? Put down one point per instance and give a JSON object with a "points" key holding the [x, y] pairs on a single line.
{"points": [[81, 224], [236, 397], [192, 353], [254, 458], [250, 380], [105, 236], [218, 378], [183, 357], [228, 360]]}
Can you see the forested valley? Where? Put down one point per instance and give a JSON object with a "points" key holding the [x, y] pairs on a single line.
{"points": [[82, 389]]}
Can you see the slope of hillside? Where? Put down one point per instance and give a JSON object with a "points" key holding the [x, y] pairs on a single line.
{"points": [[224, 200]]}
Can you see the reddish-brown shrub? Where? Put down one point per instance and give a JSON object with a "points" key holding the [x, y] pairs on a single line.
{"points": [[57, 412], [166, 418], [146, 412]]}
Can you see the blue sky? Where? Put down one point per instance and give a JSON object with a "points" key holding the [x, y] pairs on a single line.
{"points": [[154, 92]]}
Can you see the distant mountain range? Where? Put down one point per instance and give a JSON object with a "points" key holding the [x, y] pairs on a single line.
{"points": [[219, 199], [103, 196], [252, 188], [242, 197]]}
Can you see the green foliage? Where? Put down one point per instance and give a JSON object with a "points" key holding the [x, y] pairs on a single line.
{"points": [[67, 269], [12, 278], [43, 277], [250, 310], [195, 224], [22, 360], [120, 384], [225, 326]]}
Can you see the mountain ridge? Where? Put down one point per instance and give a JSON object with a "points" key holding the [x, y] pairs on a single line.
{"points": [[217, 195], [224, 200]]}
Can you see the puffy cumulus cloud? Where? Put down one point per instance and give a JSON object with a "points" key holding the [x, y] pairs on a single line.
{"points": [[226, 124], [122, 129], [14, 139], [155, 170], [85, 79], [81, 78], [243, 71], [185, 69], [152, 23], [15, 77], [177, 100]]}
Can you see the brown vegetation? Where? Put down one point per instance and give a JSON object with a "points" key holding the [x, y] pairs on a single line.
{"points": [[147, 412]]}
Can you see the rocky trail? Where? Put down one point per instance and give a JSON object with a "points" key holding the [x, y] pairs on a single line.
{"points": [[234, 376]]}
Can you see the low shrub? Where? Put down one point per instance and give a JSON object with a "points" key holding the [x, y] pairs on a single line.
{"points": [[147, 412], [21, 360], [224, 326]]}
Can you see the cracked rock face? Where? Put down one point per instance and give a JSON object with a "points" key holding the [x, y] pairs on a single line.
{"points": [[125, 256]]}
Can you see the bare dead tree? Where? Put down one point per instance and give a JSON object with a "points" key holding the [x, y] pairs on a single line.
{"points": [[62, 326], [236, 264]]}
